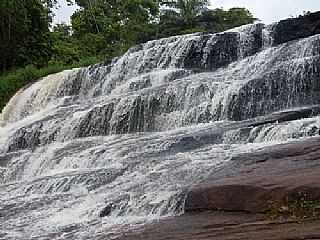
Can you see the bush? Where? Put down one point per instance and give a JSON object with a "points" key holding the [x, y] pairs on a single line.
{"points": [[299, 206]]}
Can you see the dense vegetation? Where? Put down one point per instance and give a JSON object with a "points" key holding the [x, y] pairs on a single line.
{"points": [[100, 29]]}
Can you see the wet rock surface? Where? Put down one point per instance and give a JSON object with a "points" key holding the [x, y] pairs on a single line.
{"points": [[295, 28], [253, 182], [226, 226], [234, 204]]}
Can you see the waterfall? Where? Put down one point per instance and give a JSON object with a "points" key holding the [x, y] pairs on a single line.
{"points": [[127, 138]]}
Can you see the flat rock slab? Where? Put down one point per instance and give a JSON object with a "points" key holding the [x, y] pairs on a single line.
{"points": [[254, 182], [226, 226]]}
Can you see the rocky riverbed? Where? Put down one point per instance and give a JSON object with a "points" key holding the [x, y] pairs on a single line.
{"points": [[270, 194], [200, 136]]}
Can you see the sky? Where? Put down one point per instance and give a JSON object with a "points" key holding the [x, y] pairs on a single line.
{"points": [[267, 11], [64, 12]]}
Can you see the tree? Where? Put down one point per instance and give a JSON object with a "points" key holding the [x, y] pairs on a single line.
{"points": [[181, 16], [186, 10], [65, 50], [218, 20], [120, 24], [188, 16], [24, 33]]}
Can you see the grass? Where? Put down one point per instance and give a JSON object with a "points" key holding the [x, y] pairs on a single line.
{"points": [[11, 82], [299, 207]]}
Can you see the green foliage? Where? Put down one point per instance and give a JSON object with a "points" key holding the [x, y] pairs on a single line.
{"points": [[299, 206], [118, 22], [302, 206], [64, 50], [106, 29], [186, 11], [189, 16], [24, 33], [218, 20]]}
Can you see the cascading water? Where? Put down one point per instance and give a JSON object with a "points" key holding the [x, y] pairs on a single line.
{"points": [[90, 153]]}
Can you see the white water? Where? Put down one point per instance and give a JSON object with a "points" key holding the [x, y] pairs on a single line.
{"points": [[136, 134]]}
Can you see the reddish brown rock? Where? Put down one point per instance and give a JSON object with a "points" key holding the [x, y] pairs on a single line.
{"points": [[242, 190], [226, 226], [254, 182]]}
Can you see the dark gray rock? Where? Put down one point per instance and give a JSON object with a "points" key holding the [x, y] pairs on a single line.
{"points": [[295, 28], [106, 211]]}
